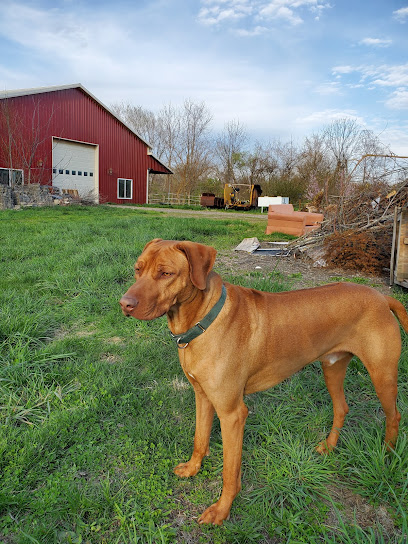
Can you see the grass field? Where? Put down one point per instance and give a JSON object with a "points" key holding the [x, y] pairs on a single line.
{"points": [[95, 410]]}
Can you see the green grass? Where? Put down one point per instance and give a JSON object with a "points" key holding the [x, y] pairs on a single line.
{"points": [[95, 410]]}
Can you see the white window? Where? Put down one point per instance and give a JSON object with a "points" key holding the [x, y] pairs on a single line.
{"points": [[125, 187]]}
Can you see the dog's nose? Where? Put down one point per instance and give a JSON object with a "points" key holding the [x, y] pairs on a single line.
{"points": [[128, 304]]}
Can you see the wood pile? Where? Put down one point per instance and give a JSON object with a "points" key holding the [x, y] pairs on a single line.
{"points": [[356, 233]]}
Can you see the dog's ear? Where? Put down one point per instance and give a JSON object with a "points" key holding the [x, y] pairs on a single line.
{"points": [[152, 242], [201, 260]]}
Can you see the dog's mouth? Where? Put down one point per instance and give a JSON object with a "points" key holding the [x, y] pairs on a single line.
{"points": [[126, 313], [145, 316], [143, 309]]}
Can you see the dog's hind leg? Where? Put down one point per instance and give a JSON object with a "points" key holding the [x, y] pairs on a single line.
{"points": [[334, 370], [385, 383], [387, 393], [380, 357]]}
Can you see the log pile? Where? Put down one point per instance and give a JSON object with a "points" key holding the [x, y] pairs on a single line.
{"points": [[356, 233]]}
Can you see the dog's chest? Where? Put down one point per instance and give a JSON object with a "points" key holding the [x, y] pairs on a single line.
{"points": [[189, 365]]}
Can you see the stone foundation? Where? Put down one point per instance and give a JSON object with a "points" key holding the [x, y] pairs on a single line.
{"points": [[25, 195], [6, 198]]}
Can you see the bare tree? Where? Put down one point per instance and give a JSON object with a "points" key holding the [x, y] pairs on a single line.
{"points": [[287, 156], [7, 144], [259, 165], [375, 165], [144, 122], [169, 125], [342, 138], [230, 149], [315, 167], [192, 149], [23, 136]]}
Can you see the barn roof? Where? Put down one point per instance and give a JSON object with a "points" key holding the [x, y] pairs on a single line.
{"points": [[14, 93]]}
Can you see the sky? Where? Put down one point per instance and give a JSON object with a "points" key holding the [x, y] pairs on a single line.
{"points": [[282, 68]]}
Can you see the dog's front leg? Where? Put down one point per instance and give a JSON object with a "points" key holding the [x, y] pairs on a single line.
{"points": [[204, 419], [232, 431]]}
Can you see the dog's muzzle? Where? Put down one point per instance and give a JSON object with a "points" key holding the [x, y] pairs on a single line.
{"points": [[128, 304]]}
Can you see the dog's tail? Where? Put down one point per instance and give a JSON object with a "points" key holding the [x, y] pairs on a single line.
{"points": [[398, 309]]}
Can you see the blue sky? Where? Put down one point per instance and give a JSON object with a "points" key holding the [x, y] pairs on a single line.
{"points": [[283, 68]]}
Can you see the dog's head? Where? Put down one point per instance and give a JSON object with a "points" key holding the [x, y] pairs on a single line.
{"points": [[166, 273]]}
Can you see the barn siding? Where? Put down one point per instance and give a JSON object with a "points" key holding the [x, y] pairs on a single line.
{"points": [[74, 115]]}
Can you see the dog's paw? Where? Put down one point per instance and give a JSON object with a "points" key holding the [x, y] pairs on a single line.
{"points": [[185, 470], [324, 448], [214, 514]]}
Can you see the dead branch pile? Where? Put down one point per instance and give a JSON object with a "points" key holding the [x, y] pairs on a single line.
{"points": [[366, 251], [357, 231]]}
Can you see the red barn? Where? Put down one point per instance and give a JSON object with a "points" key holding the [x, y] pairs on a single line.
{"points": [[65, 137]]}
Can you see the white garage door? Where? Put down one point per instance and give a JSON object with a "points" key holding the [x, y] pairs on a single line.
{"points": [[74, 166]]}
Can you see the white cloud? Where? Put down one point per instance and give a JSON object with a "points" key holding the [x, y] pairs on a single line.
{"points": [[398, 139], [256, 31], [287, 10], [215, 15], [398, 100], [343, 69], [46, 33], [376, 42], [276, 11], [319, 8], [223, 11], [329, 88], [259, 11], [384, 76], [319, 118], [391, 76], [401, 14]]}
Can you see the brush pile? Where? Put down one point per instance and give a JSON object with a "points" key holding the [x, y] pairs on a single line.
{"points": [[356, 233]]}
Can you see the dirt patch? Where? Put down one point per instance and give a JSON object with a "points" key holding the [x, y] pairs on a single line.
{"points": [[117, 340], [84, 333], [60, 334], [300, 271], [8, 539], [110, 358], [64, 332], [355, 510]]}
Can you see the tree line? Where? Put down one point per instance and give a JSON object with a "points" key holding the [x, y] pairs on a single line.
{"points": [[327, 163]]}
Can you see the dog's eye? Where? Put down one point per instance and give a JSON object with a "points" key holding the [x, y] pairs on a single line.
{"points": [[166, 274]]}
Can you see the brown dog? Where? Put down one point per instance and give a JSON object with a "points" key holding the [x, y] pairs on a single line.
{"points": [[330, 324]]}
